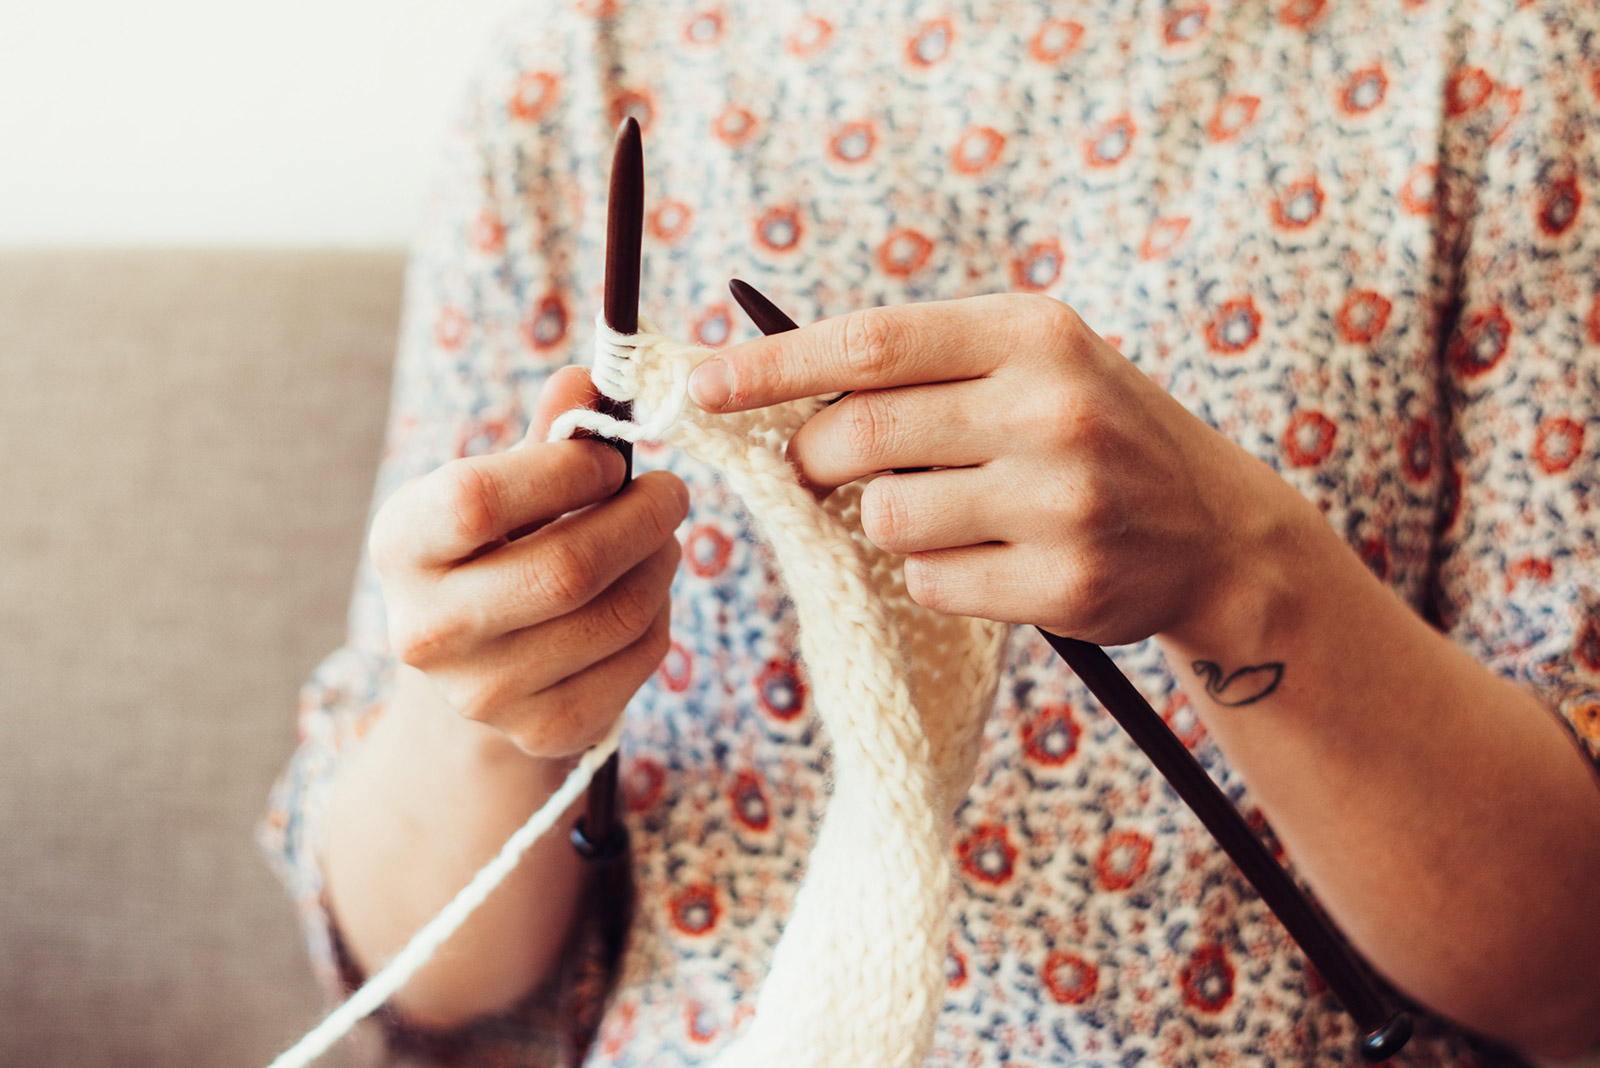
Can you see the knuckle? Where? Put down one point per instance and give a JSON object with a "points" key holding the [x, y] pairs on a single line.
{"points": [[472, 499], [561, 723], [1051, 316], [627, 612], [1064, 423], [665, 506], [421, 642], [529, 725], [574, 472], [562, 577], [386, 541], [1097, 508], [538, 722], [884, 515], [562, 477], [924, 583], [1085, 590], [480, 702], [658, 642], [382, 546], [869, 341], [870, 425], [649, 649]]}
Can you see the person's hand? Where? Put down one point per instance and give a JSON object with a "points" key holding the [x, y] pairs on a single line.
{"points": [[1068, 490], [535, 600]]}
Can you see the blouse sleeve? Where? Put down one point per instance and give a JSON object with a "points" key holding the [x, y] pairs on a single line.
{"points": [[1520, 527], [485, 321]]}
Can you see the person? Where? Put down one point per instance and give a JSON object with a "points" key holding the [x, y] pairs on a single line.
{"points": [[1260, 340]]}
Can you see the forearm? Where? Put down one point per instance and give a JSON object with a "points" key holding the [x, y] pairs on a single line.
{"points": [[1443, 817], [425, 801]]}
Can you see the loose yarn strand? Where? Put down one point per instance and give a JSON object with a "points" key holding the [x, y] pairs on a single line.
{"points": [[382, 986], [616, 373], [902, 693]]}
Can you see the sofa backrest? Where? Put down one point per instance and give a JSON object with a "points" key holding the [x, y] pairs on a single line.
{"points": [[189, 444]]}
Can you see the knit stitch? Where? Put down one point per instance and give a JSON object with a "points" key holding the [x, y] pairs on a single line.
{"points": [[1357, 237], [903, 692]]}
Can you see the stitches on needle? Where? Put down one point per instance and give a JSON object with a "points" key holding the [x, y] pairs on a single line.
{"points": [[902, 693], [617, 372]]}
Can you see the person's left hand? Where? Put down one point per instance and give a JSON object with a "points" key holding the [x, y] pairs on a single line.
{"points": [[1068, 491]]}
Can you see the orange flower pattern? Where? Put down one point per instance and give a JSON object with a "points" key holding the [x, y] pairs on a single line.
{"points": [[1358, 237]]}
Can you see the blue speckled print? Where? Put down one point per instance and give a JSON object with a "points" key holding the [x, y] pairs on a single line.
{"points": [[1359, 237]]}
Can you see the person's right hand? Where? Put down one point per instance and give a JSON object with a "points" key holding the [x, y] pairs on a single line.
{"points": [[534, 599]]}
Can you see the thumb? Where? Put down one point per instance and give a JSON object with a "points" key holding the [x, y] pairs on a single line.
{"points": [[563, 391]]}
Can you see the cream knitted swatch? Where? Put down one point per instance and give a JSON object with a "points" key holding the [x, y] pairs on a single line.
{"points": [[858, 975]]}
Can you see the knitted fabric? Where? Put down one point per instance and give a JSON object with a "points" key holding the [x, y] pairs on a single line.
{"points": [[902, 692]]}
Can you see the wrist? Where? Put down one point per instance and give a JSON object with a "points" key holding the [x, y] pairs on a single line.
{"points": [[1256, 579], [428, 724]]}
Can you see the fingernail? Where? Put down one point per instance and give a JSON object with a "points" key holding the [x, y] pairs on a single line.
{"points": [[711, 384], [609, 463]]}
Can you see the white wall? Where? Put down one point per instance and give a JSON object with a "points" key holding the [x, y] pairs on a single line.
{"points": [[208, 122]]}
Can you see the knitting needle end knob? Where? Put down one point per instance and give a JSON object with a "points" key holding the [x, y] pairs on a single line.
{"points": [[1387, 1040]]}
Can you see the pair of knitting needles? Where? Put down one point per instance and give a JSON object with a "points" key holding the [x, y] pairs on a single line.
{"points": [[599, 835]]}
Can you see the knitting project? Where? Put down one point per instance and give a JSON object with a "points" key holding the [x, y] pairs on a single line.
{"points": [[902, 691]]}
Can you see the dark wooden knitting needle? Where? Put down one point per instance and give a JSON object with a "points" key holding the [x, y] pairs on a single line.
{"points": [[598, 834], [1384, 1029]]}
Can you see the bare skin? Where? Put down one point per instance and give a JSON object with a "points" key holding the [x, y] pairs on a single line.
{"points": [[517, 653], [1444, 818]]}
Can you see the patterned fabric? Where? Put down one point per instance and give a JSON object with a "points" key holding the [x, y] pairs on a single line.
{"points": [[1356, 236]]}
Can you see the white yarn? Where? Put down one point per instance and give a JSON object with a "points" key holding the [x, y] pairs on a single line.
{"points": [[382, 986], [616, 374], [858, 976]]}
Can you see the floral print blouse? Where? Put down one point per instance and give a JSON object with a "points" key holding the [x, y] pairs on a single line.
{"points": [[1359, 237]]}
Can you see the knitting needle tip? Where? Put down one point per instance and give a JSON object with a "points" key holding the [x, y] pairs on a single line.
{"points": [[600, 835], [768, 317]]}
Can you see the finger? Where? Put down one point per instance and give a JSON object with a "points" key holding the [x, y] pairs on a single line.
{"points": [[567, 564], [889, 429], [989, 580], [573, 715], [870, 349], [448, 515], [541, 656], [930, 510], [566, 389]]}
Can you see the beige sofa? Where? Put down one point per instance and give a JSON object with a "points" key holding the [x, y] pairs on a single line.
{"points": [[189, 441]]}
